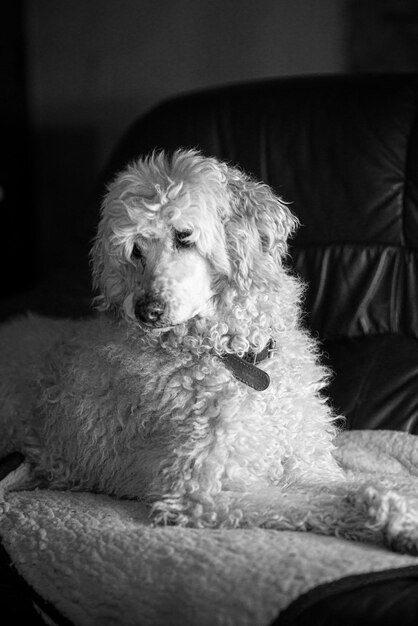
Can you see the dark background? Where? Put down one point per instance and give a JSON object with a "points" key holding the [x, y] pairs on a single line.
{"points": [[76, 73]]}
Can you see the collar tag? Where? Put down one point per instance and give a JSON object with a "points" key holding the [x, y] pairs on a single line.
{"points": [[245, 370]]}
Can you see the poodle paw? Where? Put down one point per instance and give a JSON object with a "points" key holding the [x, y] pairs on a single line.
{"points": [[390, 513]]}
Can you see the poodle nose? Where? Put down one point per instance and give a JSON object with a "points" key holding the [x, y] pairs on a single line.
{"points": [[149, 309]]}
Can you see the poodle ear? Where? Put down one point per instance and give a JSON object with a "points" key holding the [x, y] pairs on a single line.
{"points": [[106, 263], [260, 225], [99, 259]]}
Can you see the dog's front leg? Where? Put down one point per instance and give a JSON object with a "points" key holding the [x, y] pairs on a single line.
{"points": [[362, 512]]}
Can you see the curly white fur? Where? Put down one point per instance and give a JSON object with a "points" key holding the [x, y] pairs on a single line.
{"points": [[189, 263]]}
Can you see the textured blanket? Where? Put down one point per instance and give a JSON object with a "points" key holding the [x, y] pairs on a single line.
{"points": [[99, 561]]}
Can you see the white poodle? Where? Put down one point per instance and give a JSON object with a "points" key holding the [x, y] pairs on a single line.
{"points": [[195, 389]]}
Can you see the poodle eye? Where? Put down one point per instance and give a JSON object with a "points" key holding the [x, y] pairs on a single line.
{"points": [[136, 252], [181, 239]]}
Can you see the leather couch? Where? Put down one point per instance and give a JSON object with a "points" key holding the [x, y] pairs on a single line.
{"points": [[344, 151]]}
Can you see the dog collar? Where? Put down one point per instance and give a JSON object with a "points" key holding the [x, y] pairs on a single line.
{"points": [[244, 368]]}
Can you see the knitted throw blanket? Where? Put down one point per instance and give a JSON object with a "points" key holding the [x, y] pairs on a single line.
{"points": [[99, 561]]}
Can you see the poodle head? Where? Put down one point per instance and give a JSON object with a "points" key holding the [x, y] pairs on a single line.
{"points": [[187, 237]]}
